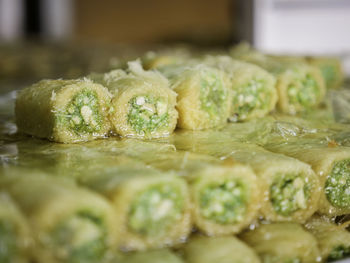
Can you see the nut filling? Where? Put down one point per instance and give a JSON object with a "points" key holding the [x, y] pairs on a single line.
{"points": [[83, 113], [212, 94], [338, 252], [289, 193], [80, 238], [249, 97], [147, 114], [8, 246], [304, 92], [337, 186], [155, 210], [225, 202]]}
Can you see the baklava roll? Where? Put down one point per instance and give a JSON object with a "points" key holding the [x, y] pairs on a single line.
{"points": [[331, 69], [332, 165], [218, 249], [290, 188], [64, 110], [300, 86], [225, 197], [143, 103], [253, 89], [151, 256], [333, 240], [158, 59], [69, 224], [204, 97], [15, 236], [283, 242], [153, 207]]}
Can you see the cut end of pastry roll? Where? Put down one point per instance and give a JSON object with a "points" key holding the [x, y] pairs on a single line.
{"points": [[337, 186], [292, 194], [225, 199], [300, 87], [64, 110], [154, 212], [203, 97], [143, 103]]}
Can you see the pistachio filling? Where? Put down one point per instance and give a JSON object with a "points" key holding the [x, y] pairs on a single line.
{"points": [[337, 186], [250, 96], [328, 73], [224, 202], [212, 94], [80, 238], [147, 114], [338, 252], [156, 209], [304, 92], [83, 113], [289, 193], [8, 244]]}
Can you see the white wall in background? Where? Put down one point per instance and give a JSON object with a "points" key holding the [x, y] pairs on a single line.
{"points": [[11, 19], [302, 26], [57, 19]]}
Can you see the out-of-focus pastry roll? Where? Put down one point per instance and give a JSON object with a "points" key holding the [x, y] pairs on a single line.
{"points": [[283, 242], [15, 237], [218, 249], [253, 89], [68, 223], [333, 240], [300, 86]]}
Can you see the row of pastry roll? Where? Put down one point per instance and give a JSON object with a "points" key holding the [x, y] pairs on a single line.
{"points": [[74, 225], [134, 103]]}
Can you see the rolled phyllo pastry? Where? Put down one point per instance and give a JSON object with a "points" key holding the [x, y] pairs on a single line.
{"points": [[203, 95], [300, 86], [15, 236], [253, 89], [283, 242], [290, 188], [151, 256], [143, 103], [333, 239], [153, 207], [218, 249], [64, 110], [165, 57], [69, 224], [332, 165], [220, 205], [331, 69]]}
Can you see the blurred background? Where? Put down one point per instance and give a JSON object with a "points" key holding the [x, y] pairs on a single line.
{"points": [[70, 38]]}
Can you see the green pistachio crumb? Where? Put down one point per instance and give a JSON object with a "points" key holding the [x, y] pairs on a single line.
{"points": [[224, 202], [155, 209], [147, 114], [304, 92], [338, 252], [249, 97], [289, 193], [337, 186], [80, 238], [82, 113]]}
